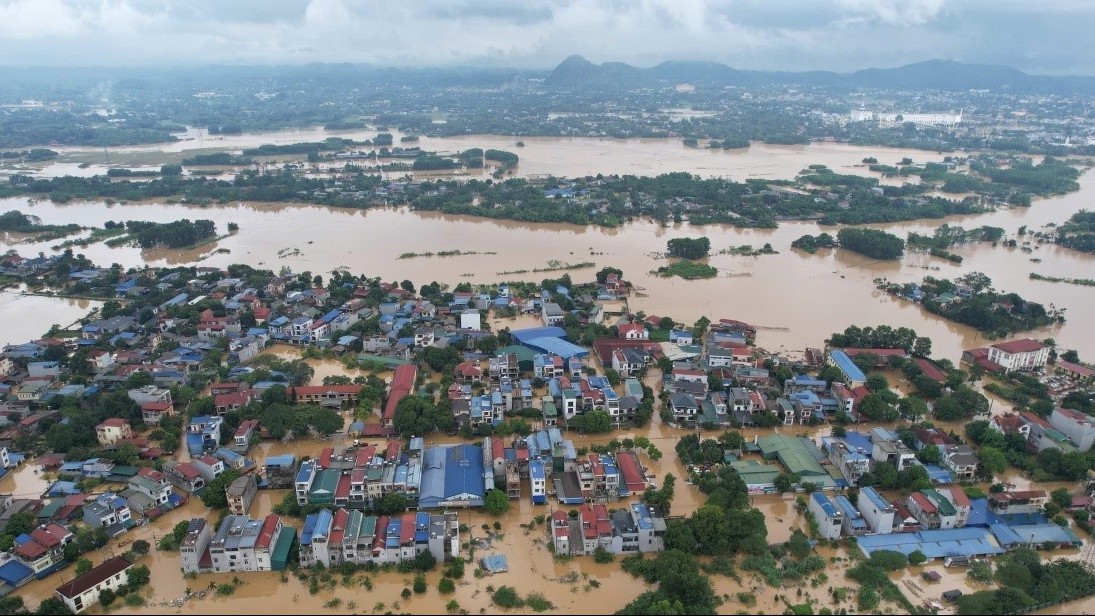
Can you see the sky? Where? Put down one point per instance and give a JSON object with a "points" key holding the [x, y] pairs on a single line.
{"points": [[1037, 36]]}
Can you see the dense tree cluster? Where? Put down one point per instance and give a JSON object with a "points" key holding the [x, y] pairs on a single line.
{"points": [[872, 243], [688, 248], [882, 337]]}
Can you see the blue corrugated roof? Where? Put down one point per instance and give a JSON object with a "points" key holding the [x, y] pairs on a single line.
{"points": [[538, 332], [14, 573], [874, 497], [287, 459], [934, 543], [309, 528], [846, 506], [556, 345], [846, 365], [825, 504], [536, 469]]}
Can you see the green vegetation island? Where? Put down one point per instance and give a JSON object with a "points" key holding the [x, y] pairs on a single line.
{"points": [[1079, 232], [972, 301], [816, 194]]}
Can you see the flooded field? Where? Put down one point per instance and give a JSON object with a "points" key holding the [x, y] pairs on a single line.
{"points": [[797, 299], [27, 317]]}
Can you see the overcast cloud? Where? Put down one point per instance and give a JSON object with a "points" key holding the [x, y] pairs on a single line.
{"points": [[843, 35]]}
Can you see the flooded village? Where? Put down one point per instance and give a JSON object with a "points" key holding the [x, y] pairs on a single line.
{"points": [[323, 413]]}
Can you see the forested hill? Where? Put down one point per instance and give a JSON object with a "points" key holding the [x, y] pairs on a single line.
{"points": [[930, 74]]}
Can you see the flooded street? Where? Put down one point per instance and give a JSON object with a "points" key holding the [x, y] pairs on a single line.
{"points": [[796, 299]]}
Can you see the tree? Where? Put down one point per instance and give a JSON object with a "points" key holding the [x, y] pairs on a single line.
{"points": [[873, 407], [687, 248], [83, 566], [929, 455], [496, 502], [912, 408], [52, 606], [420, 584], [877, 382], [916, 557], [799, 545], [106, 597], [1062, 497], [392, 503], [213, 495], [596, 422], [138, 577], [871, 242], [993, 460], [783, 482], [407, 285], [446, 586]]}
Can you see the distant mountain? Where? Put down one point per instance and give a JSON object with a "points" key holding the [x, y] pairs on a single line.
{"points": [[930, 74]]}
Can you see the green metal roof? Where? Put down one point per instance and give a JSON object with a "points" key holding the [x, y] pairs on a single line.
{"points": [[523, 352], [945, 506], [279, 558]]}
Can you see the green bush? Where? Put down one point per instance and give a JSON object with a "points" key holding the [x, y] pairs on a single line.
{"points": [[446, 586], [420, 584], [601, 555], [507, 597]]}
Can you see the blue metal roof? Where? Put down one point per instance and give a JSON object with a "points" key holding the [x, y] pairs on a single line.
{"points": [[556, 345], [536, 469], [641, 513], [846, 365], [323, 523], [826, 505], [858, 440], [309, 528], [305, 471], [523, 335], [395, 527], [543, 441], [846, 506], [875, 497], [938, 474], [934, 543], [14, 573]]}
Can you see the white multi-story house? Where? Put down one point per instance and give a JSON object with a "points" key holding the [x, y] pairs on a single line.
{"points": [[1025, 354], [84, 591]]}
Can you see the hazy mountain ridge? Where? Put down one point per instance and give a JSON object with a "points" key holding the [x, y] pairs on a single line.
{"points": [[930, 74]]}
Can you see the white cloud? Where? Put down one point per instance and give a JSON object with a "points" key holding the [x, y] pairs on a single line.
{"points": [[900, 12], [765, 34]]}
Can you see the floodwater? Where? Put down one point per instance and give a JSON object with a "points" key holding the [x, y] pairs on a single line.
{"points": [[26, 317], [556, 156], [797, 299]]}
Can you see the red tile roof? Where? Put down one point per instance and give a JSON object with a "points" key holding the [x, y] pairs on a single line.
{"points": [[402, 383], [1068, 366], [925, 503], [930, 370], [1025, 345], [631, 472], [960, 499], [108, 569], [266, 535]]}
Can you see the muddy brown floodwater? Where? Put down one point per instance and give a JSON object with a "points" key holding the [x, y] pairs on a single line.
{"points": [[797, 299]]}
